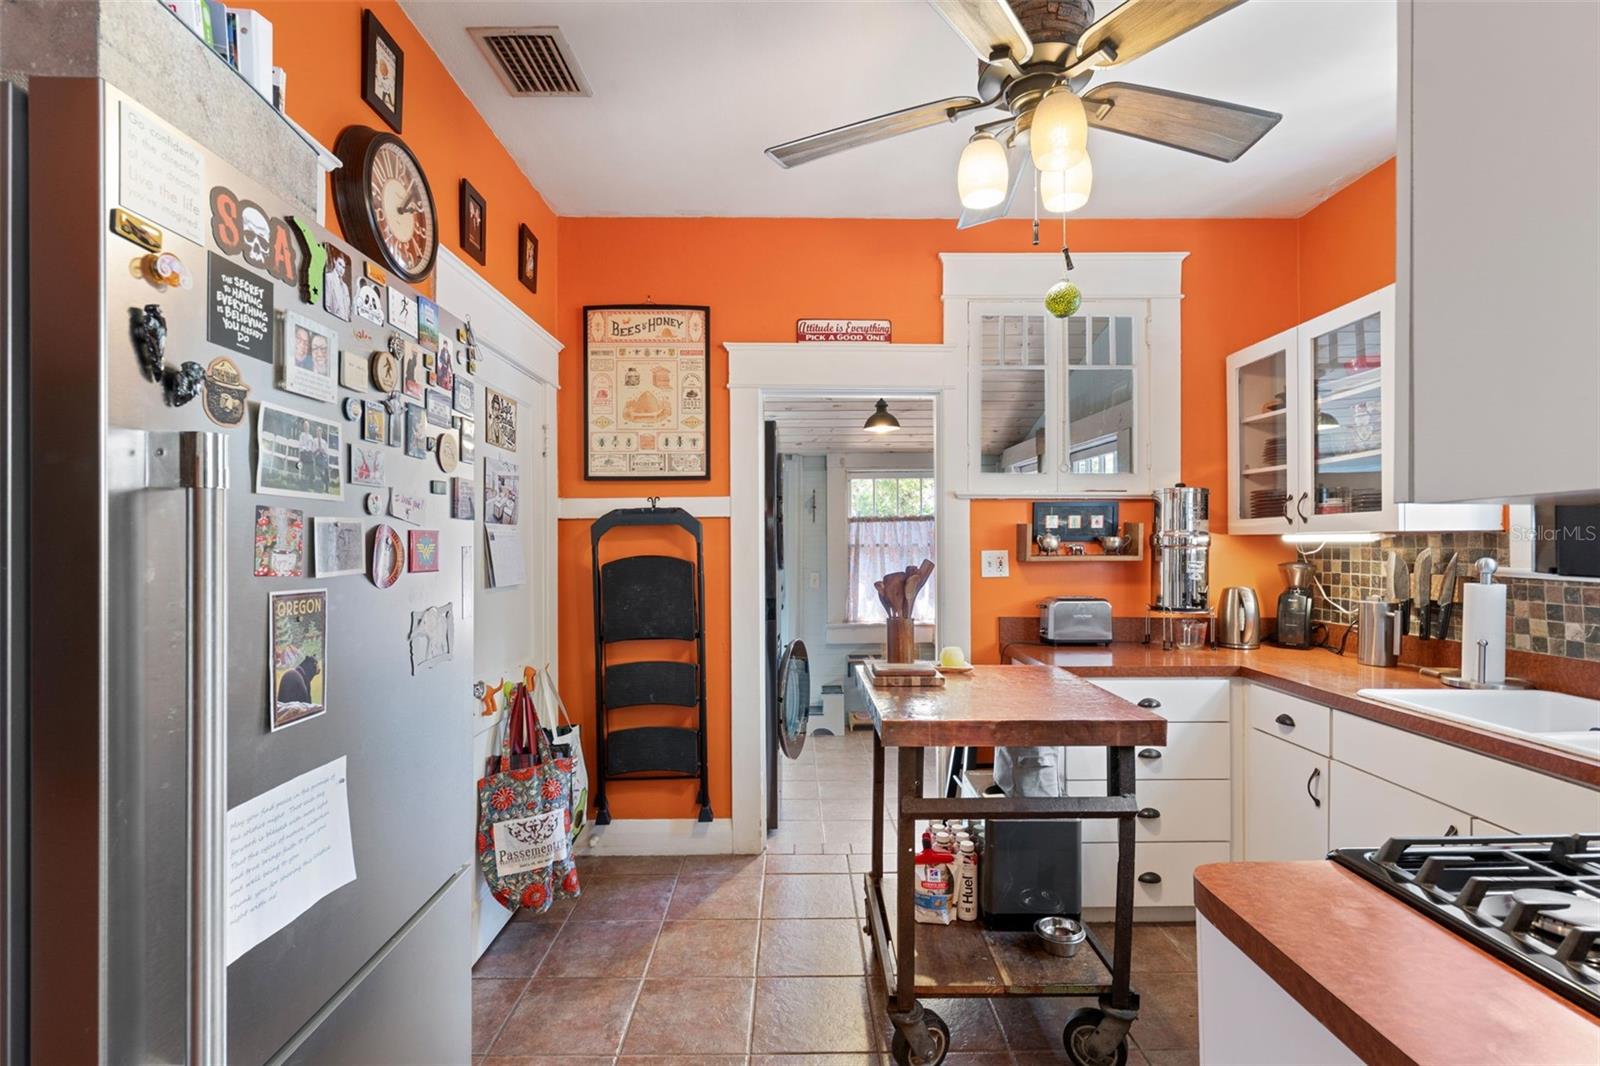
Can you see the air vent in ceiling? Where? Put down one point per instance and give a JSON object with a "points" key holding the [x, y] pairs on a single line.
{"points": [[531, 60]]}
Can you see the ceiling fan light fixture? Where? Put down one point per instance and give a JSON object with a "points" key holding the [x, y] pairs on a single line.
{"points": [[983, 177], [1063, 192], [1060, 133], [881, 421]]}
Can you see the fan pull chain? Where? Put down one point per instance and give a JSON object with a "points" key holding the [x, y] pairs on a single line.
{"points": [[1036, 208], [1066, 253]]}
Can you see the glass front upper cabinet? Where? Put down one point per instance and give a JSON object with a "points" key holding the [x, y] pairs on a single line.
{"points": [[1347, 476], [1058, 405], [1262, 434]]}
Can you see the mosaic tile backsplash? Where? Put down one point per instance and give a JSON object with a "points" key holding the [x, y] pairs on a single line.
{"points": [[1545, 617]]}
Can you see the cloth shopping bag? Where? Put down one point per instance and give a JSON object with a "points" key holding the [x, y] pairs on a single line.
{"points": [[567, 739], [524, 823]]}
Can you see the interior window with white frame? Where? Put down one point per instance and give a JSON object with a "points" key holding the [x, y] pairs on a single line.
{"points": [[891, 527], [1102, 394]]}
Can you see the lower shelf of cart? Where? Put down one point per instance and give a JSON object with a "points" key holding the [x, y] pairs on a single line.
{"points": [[966, 959]]}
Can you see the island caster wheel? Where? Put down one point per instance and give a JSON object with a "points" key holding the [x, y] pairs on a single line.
{"points": [[938, 1032], [1080, 1031]]}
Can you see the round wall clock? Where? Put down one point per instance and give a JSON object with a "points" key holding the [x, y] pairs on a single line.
{"points": [[384, 205]]}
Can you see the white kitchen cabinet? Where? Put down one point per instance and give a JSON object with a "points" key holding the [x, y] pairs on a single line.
{"points": [[1194, 750], [1313, 431], [1285, 800], [1163, 873], [1181, 811], [1498, 259], [1364, 811]]}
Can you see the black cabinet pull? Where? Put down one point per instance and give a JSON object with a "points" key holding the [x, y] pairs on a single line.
{"points": [[1147, 813], [1149, 703], [1149, 753], [1309, 782], [1149, 877], [1299, 507], [1287, 500], [1285, 721]]}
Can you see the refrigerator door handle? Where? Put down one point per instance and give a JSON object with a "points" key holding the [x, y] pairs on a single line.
{"points": [[203, 472]]}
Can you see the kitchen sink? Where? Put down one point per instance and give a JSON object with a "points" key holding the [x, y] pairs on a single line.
{"points": [[1551, 718]]}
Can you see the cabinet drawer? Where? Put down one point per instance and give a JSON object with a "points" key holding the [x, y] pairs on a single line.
{"points": [[1495, 791], [1184, 811], [1288, 718], [1193, 750], [1364, 811], [1170, 865], [1179, 699]]}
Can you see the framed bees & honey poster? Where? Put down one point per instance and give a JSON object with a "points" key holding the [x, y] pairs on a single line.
{"points": [[647, 407]]}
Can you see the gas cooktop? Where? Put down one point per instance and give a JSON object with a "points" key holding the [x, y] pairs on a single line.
{"points": [[1532, 901]]}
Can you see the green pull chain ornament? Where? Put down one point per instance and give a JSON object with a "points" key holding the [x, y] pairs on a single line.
{"points": [[1063, 298]]}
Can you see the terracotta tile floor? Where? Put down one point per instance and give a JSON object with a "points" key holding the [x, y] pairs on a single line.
{"points": [[760, 960]]}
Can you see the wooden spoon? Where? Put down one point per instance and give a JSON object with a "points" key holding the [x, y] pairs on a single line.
{"points": [[916, 578], [883, 598], [894, 587]]}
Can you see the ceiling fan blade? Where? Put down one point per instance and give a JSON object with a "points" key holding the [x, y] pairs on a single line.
{"points": [[881, 128], [988, 26], [1215, 129], [1020, 164], [1141, 26]]}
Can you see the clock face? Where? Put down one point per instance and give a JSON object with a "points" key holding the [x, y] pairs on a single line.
{"points": [[402, 209]]}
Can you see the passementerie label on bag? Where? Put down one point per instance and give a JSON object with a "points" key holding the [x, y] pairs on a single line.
{"points": [[525, 844]]}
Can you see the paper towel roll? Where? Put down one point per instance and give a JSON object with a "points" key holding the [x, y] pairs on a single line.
{"points": [[1483, 618]]}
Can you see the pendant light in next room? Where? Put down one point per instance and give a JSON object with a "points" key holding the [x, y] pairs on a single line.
{"points": [[983, 176], [881, 421]]}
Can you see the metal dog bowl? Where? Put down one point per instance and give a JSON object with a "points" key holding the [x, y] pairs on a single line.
{"points": [[1060, 936]]}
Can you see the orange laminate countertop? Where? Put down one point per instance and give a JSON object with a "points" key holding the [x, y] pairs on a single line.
{"points": [[1311, 674], [1010, 705], [1392, 984]]}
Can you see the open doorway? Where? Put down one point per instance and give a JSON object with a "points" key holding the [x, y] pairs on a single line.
{"points": [[851, 497]]}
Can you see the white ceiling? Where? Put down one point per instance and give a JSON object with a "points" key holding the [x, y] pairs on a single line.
{"points": [[686, 96], [822, 425]]}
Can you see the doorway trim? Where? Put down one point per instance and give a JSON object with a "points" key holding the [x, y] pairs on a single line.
{"points": [[756, 371]]}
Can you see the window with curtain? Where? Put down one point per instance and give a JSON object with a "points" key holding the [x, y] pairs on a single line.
{"points": [[891, 528]]}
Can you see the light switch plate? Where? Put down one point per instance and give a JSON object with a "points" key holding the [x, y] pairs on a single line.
{"points": [[997, 563]]}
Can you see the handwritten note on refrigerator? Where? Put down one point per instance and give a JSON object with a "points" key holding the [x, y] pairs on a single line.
{"points": [[287, 848]]}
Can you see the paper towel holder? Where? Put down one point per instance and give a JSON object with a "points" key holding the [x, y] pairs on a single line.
{"points": [[1453, 679]]}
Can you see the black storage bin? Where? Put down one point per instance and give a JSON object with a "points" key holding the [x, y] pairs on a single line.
{"points": [[1030, 869]]}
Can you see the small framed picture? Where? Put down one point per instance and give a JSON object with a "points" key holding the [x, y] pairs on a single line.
{"points": [[403, 313], [383, 71], [375, 423], [310, 351], [463, 397], [527, 257], [438, 407], [474, 215], [355, 370], [369, 301], [416, 432], [299, 655], [422, 551], [366, 465], [337, 298]]}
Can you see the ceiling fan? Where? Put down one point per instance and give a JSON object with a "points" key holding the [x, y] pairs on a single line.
{"points": [[1034, 52]]}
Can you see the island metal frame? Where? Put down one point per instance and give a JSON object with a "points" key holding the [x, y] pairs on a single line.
{"points": [[896, 953]]}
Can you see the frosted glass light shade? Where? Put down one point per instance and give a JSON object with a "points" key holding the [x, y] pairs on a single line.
{"points": [[1066, 192], [1059, 135], [982, 176]]}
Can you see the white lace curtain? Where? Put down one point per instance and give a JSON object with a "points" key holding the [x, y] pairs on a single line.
{"points": [[879, 545]]}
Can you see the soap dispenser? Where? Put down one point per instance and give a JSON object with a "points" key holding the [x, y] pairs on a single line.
{"points": [[1483, 628]]}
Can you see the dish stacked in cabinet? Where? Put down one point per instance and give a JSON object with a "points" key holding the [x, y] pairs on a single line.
{"points": [[1185, 797]]}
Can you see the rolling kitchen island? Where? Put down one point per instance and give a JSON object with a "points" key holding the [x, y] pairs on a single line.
{"points": [[1001, 706]]}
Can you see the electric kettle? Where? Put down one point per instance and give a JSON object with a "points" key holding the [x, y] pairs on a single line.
{"points": [[1238, 619]]}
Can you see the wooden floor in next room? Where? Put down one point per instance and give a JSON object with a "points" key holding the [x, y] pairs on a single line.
{"points": [[761, 959]]}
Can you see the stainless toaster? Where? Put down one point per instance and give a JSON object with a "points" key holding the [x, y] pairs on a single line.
{"points": [[1075, 620]]}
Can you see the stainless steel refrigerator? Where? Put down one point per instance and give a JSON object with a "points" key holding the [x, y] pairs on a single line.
{"points": [[150, 660]]}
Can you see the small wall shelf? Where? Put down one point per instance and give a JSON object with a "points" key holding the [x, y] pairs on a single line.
{"points": [[1028, 551]]}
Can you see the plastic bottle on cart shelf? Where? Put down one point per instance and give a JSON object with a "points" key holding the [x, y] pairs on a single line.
{"points": [[966, 877], [935, 888]]}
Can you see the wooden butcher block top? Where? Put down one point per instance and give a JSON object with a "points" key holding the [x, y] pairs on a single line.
{"points": [[1010, 705], [1392, 984]]}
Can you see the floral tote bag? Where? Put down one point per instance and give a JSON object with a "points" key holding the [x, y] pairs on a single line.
{"points": [[524, 826]]}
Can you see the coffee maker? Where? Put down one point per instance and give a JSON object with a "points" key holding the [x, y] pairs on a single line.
{"points": [[1294, 606]]}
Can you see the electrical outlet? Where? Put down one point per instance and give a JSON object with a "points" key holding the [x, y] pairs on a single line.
{"points": [[997, 563]]}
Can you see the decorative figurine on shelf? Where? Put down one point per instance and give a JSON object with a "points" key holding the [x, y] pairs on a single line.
{"points": [[150, 340]]}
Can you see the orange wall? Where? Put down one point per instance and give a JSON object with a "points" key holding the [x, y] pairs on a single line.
{"points": [[319, 47], [1347, 243]]}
